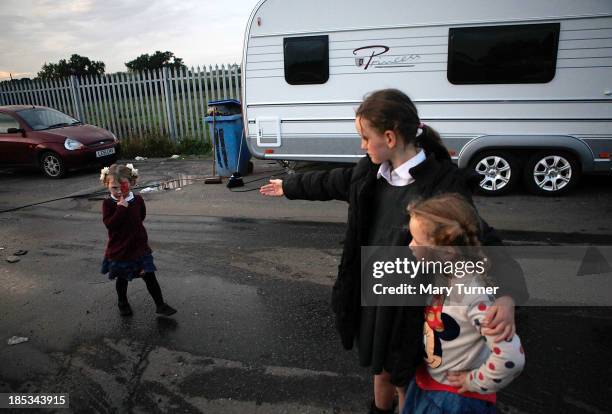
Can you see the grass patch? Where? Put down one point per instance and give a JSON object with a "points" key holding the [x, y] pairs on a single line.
{"points": [[194, 146], [156, 145]]}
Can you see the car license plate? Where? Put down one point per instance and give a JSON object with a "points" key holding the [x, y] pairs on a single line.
{"points": [[104, 153]]}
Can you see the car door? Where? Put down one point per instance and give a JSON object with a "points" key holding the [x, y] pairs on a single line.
{"points": [[14, 148]]}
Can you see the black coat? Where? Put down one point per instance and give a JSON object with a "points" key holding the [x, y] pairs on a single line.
{"points": [[356, 185]]}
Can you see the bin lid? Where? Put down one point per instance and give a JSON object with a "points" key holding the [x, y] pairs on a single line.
{"points": [[220, 118], [228, 102]]}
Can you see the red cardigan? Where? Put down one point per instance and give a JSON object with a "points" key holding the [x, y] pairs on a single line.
{"points": [[127, 237]]}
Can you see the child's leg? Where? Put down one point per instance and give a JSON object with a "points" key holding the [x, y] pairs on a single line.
{"points": [[384, 391], [155, 291], [121, 285], [401, 394], [153, 288], [124, 307]]}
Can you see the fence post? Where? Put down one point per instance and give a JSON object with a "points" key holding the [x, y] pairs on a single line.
{"points": [[75, 93], [169, 104]]}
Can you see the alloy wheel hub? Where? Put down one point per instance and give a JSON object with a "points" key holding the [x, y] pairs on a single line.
{"points": [[552, 173], [496, 172]]}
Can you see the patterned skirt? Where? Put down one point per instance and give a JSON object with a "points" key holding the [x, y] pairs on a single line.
{"points": [[128, 269]]}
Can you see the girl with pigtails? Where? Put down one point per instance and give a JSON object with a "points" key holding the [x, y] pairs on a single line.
{"points": [[405, 161], [128, 255]]}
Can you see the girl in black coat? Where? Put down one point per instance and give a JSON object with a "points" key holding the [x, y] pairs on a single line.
{"points": [[405, 160]]}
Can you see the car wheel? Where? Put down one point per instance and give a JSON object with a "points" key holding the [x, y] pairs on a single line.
{"points": [[52, 165], [498, 170], [551, 173]]}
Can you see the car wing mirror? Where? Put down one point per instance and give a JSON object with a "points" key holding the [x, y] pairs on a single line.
{"points": [[16, 131]]}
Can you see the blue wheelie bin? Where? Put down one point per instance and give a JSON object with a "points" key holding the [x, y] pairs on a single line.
{"points": [[224, 122]]}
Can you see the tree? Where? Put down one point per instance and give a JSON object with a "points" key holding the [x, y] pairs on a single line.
{"points": [[77, 65], [155, 61]]}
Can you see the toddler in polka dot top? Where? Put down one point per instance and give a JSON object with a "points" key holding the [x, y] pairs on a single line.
{"points": [[463, 368]]}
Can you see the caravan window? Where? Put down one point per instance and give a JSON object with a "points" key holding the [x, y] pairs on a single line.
{"points": [[306, 60], [525, 53]]}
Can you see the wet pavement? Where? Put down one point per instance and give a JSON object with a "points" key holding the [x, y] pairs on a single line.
{"points": [[251, 280]]}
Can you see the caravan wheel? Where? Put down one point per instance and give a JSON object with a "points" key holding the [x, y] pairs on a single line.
{"points": [[551, 173], [499, 171], [289, 166]]}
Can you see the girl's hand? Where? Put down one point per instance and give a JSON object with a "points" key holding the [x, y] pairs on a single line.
{"points": [[499, 319], [274, 189], [458, 379], [122, 202]]}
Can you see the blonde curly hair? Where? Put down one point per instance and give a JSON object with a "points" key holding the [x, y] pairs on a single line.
{"points": [[452, 221], [455, 222], [119, 172]]}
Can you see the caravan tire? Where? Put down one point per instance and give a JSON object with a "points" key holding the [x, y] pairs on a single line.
{"points": [[551, 173], [499, 172]]}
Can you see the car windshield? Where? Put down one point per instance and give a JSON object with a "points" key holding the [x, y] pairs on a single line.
{"points": [[46, 118]]}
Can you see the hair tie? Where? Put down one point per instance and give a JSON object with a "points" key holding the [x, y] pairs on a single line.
{"points": [[134, 170], [103, 173], [420, 129]]}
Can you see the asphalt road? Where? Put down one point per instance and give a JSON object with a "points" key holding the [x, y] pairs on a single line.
{"points": [[250, 277]]}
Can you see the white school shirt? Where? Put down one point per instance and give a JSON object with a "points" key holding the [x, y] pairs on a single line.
{"points": [[400, 176]]}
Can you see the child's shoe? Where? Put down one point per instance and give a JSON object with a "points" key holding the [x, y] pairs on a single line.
{"points": [[375, 410], [166, 310], [125, 309]]}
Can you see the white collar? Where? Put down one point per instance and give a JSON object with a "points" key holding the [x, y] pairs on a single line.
{"points": [[401, 175], [129, 198]]}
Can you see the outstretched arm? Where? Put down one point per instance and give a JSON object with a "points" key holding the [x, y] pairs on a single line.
{"points": [[313, 185]]}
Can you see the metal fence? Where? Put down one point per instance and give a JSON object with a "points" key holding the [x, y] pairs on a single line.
{"points": [[170, 102]]}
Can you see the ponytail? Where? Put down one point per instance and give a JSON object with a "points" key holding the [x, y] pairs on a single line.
{"points": [[429, 140]]}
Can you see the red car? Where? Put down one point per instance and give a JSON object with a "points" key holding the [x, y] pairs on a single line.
{"points": [[51, 140]]}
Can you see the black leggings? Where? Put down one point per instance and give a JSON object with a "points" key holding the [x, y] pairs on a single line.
{"points": [[152, 287]]}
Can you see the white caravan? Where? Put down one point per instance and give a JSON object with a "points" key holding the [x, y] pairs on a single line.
{"points": [[517, 88]]}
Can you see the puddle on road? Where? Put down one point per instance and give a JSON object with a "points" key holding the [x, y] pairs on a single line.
{"points": [[172, 184], [158, 186]]}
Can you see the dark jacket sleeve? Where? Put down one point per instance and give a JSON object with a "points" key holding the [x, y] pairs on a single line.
{"points": [[319, 185], [113, 217], [505, 271]]}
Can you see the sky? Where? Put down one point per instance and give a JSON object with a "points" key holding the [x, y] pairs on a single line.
{"points": [[201, 32]]}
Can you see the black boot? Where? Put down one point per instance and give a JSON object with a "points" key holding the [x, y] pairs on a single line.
{"points": [[166, 310], [375, 410], [124, 308]]}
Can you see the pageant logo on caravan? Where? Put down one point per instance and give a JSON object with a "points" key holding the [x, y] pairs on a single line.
{"points": [[372, 56]]}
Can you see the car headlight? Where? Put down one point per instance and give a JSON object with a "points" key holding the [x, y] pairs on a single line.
{"points": [[72, 144]]}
